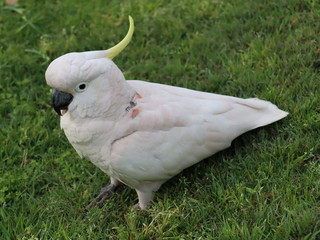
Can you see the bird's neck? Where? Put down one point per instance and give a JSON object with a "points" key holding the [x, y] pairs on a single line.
{"points": [[122, 100]]}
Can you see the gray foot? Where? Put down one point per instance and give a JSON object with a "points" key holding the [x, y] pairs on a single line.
{"points": [[105, 194]]}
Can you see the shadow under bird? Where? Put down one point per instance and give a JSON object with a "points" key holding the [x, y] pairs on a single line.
{"points": [[141, 133]]}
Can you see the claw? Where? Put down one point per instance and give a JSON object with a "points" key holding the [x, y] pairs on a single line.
{"points": [[105, 193], [136, 207]]}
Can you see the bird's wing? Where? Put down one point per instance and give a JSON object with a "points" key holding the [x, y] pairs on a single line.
{"points": [[177, 128]]}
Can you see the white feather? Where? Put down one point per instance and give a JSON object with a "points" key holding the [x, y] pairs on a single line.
{"points": [[141, 133]]}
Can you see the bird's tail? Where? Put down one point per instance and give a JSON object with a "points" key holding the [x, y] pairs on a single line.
{"points": [[252, 113]]}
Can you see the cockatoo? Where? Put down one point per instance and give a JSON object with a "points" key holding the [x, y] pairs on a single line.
{"points": [[141, 133]]}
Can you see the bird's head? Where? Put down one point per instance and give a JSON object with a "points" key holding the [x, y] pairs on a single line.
{"points": [[82, 79]]}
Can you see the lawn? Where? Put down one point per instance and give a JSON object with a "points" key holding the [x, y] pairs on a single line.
{"points": [[265, 186]]}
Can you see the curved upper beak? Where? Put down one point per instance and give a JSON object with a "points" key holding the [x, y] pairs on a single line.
{"points": [[60, 101]]}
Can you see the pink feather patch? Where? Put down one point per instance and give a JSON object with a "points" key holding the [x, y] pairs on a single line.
{"points": [[135, 112]]}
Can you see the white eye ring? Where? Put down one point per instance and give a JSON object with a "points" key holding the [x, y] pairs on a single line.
{"points": [[81, 87]]}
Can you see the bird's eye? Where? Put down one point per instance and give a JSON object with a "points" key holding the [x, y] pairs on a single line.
{"points": [[81, 87]]}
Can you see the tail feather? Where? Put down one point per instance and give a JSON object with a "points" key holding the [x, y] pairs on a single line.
{"points": [[252, 113], [269, 112]]}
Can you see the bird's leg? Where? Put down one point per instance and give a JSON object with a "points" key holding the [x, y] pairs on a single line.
{"points": [[144, 199], [105, 193]]}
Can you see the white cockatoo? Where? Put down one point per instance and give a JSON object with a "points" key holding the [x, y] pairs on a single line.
{"points": [[141, 133]]}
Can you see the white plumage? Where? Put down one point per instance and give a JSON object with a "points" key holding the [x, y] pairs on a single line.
{"points": [[142, 133]]}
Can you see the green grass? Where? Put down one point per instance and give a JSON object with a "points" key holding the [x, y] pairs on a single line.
{"points": [[265, 186]]}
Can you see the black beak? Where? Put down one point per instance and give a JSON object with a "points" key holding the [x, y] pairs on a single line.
{"points": [[60, 100]]}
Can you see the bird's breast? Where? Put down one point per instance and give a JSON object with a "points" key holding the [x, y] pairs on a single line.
{"points": [[90, 140]]}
